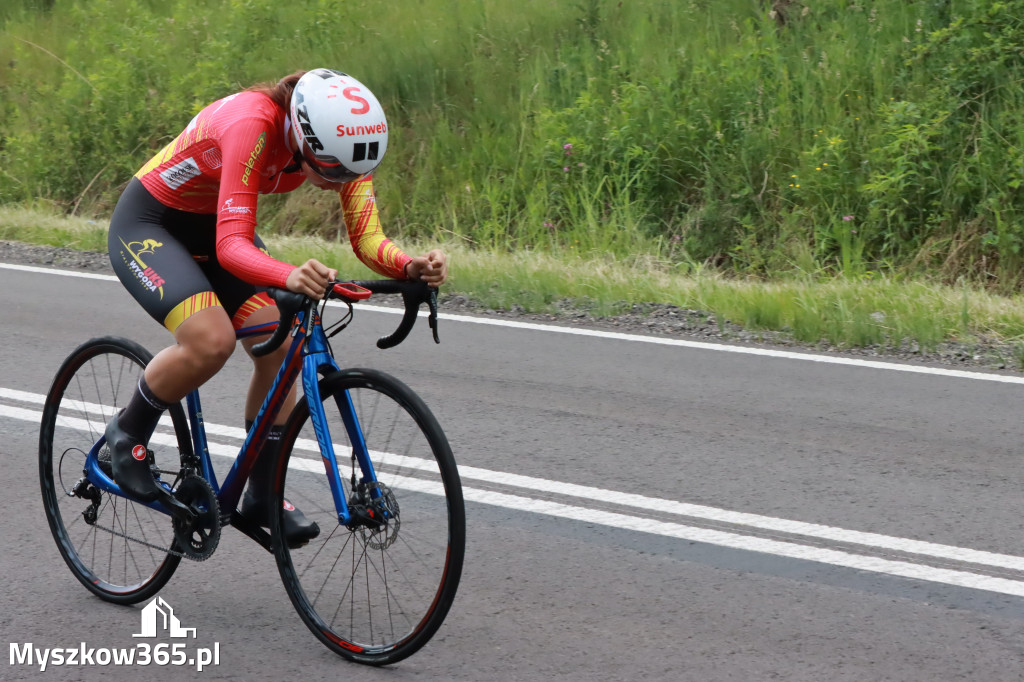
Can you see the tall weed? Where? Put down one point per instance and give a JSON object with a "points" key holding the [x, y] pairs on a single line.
{"points": [[843, 138]]}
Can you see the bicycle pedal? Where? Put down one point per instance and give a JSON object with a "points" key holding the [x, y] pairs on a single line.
{"points": [[177, 509]]}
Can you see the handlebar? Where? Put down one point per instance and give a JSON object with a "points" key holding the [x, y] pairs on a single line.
{"points": [[289, 304], [413, 292]]}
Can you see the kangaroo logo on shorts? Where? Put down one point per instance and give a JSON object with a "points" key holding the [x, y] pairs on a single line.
{"points": [[146, 275], [145, 246]]}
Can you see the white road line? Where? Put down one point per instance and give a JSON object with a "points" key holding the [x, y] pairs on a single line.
{"points": [[753, 544], [636, 338], [671, 529], [54, 271], [605, 496]]}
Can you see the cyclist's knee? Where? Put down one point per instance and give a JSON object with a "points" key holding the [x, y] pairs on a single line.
{"points": [[270, 363], [208, 341]]}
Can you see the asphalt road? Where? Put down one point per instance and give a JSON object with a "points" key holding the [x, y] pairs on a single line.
{"points": [[638, 510]]}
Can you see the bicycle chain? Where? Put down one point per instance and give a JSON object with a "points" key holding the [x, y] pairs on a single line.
{"points": [[141, 542], [151, 545]]}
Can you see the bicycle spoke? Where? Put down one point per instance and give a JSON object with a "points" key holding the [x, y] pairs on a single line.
{"points": [[383, 586], [104, 552]]}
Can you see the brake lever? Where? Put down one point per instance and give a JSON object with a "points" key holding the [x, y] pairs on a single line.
{"points": [[432, 317]]}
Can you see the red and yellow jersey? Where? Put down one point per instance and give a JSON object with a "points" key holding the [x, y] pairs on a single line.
{"points": [[233, 151]]}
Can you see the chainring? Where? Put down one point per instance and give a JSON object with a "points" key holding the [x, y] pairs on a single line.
{"points": [[198, 539]]}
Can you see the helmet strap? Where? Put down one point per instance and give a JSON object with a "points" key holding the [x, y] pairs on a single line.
{"points": [[295, 165]]}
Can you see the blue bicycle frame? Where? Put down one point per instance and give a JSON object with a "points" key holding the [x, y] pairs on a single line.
{"points": [[308, 354]]}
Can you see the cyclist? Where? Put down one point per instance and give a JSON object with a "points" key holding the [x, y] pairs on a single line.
{"points": [[182, 240]]}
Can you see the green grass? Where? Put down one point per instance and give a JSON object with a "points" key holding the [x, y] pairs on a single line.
{"points": [[42, 225], [853, 178], [860, 138], [841, 312]]}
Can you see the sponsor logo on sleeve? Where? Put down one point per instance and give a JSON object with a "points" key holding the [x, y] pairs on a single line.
{"points": [[254, 155], [230, 209]]}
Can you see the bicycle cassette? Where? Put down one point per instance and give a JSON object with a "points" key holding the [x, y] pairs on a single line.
{"points": [[199, 538]]}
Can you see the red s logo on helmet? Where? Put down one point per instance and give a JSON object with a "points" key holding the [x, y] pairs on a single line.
{"points": [[348, 93]]}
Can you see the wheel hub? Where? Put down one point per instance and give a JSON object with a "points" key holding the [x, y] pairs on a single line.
{"points": [[375, 515]]}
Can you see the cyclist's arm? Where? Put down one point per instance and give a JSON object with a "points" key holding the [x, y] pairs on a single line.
{"points": [[244, 149], [371, 246]]}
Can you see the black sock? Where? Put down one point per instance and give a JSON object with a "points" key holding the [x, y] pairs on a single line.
{"points": [[273, 435], [260, 474], [144, 410]]}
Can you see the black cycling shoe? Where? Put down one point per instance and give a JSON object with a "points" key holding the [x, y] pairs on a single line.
{"points": [[298, 530], [131, 464]]}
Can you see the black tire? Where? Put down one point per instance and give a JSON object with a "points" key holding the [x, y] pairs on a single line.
{"points": [[92, 384], [373, 597]]}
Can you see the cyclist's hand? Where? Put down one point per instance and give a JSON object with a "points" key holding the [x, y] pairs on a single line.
{"points": [[432, 268], [311, 278]]}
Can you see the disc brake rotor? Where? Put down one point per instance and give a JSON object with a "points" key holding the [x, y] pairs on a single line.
{"points": [[384, 506]]}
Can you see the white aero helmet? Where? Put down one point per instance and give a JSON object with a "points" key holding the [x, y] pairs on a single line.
{"points": [[338, 125]]}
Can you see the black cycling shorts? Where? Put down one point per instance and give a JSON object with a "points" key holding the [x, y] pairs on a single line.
{"points": [[167, 259]]}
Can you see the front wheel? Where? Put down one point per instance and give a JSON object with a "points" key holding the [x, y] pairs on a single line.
{"points": [[121, 550], [373, 592]]}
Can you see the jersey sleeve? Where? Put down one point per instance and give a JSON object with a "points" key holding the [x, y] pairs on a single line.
{"points": [[244, 151], [371, 246]]}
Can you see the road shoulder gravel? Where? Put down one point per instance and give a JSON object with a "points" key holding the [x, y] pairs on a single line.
{"points": [[650, 319]]}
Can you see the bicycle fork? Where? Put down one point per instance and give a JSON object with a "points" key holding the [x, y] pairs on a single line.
{"points": [[360, 509]]}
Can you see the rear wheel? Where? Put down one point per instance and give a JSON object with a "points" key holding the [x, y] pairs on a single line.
{"points": [[119, 549], [376, 591]]}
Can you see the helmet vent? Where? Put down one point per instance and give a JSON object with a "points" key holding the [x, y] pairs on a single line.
{"points": [[363, 152]]}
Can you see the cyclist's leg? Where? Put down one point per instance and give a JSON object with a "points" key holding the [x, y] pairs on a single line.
{"points": [[250, 306], [265, 368], [255, 504], [204, 342], [158, 270]]}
